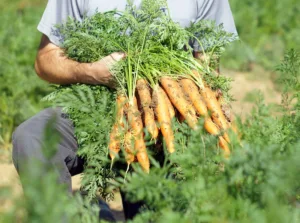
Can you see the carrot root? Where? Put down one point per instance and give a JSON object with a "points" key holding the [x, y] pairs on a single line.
{"points": [[169, 104], [129, 147], [178, 99], [191, 89], [163, 117], [114, 142], [136, 124], [224, 145], [214, 107], [145, 101]]}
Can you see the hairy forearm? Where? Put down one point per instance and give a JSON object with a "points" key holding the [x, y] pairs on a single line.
{"points": [[53, 66]]}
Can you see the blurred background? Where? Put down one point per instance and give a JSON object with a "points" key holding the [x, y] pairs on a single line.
{"points": [[267, 29]]}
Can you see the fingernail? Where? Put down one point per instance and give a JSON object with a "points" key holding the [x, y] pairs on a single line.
{"points": [[120, 55]]}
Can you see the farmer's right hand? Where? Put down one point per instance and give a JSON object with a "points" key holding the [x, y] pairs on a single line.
{"points": [[100, 71], [53, 66]]}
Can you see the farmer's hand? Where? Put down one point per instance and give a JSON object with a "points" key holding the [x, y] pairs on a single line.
{"points": [[201, 57], [99, 71], [206, 59], [53, 66]]}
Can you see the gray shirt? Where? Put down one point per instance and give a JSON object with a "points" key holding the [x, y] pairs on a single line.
{"points": [[182, 11]]}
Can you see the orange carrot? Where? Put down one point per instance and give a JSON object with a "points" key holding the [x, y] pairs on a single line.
{"points": [[163, 117], [169, 104], [226, 137], [193, 93], [214, 106], [212, 103], [114, 141], [144, 92], [191, 89], [216, 111], [129, 147], [150, 122], [224, 145], [211, 127], [136, 124], [145, 100], [178, 99], [121, 100]]}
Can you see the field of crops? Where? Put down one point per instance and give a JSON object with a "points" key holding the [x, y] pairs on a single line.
{"points": [[258, 182]]}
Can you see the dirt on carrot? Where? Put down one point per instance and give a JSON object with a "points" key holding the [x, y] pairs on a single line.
{"points": [[163, 117], [177, 98]]}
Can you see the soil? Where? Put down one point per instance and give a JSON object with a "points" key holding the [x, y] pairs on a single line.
{"points": [[246, 83]]}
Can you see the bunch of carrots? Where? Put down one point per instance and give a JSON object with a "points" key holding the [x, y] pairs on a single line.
{"points": [[153, 107], [158, 80]]}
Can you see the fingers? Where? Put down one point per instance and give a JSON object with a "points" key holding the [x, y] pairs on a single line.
{"points": [[102, 69], [117, 56], [111, 59], [108, 63], [201, 56]]}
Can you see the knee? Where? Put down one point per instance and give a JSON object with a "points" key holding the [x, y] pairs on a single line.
{"points": [[18, 137], [24, 145], [27, 136]]}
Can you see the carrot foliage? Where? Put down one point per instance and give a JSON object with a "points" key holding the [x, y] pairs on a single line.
{"points": [[154, 46], [260, 181]]}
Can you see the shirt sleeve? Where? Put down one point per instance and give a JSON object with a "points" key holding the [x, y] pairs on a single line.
{"points": [[57, 12], [218, 11]]}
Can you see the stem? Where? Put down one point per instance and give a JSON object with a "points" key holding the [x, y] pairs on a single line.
{"points": [[127, 169], [129, 75]]}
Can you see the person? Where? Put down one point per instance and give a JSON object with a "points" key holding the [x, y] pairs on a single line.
{"points": [[52, 66]]}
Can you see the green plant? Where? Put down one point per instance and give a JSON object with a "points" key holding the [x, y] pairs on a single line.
{"points": [[266, 30], [45, 200], [154, 46], [20, 88], [258, 183]]}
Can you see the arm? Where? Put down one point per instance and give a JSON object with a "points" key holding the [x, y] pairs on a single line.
{"points": [[52, 66], [220, 12]]}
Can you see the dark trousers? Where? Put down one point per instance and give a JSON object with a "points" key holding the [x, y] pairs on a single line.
{"points": [[28, 144]]}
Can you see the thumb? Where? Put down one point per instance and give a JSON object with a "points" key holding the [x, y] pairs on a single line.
{"points": [[111, 59], [117, 56]]}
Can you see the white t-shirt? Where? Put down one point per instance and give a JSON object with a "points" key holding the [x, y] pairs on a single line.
{"points": [[182, 11]]}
